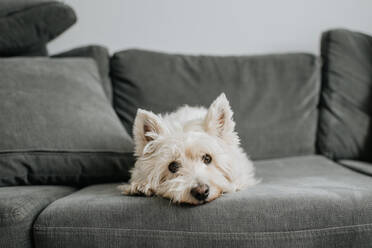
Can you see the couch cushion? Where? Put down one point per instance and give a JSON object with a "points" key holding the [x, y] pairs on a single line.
{"points": [[360, 166], [274, 97], [57, 126], [19, 207], [101, 56], [301, 202], [345, 130], [27, 26]]}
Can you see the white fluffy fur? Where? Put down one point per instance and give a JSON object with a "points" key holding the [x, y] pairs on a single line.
{"points": [[185, 136]]}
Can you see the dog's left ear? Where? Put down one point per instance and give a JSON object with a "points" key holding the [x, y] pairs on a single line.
{"points": [[219, 122]]}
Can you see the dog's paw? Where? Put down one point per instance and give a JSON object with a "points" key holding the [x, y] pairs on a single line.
{"points": [[125, 189], [135, 189]]}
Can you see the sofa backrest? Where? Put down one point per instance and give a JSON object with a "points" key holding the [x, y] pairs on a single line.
{"points": [[274, 97], [345, 130]]}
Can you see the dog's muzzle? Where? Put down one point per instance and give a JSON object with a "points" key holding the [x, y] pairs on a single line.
{"points": [[200, 192]]}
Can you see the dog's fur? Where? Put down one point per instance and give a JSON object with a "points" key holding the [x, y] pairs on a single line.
{"points": [[187, 137]]}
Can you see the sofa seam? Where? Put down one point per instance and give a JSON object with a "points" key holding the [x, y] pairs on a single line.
{"points": [[304, 232]]}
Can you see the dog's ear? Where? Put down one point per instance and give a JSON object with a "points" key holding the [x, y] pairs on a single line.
{"points": [[147, 127], [219, 122]]}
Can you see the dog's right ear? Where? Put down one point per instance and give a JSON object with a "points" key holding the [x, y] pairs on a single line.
{"points": [[147, 127]]}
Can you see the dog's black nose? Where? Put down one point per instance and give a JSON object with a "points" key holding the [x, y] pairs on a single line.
{"points": [[200, 192]]}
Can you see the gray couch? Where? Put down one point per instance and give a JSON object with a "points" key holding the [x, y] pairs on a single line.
{"points": [[304, 120]]}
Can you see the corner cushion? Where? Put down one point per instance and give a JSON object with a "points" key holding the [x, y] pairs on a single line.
{"points": [[345, 130]]}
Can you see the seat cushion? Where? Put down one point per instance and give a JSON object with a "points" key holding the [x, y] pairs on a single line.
{"points": [[100, 55], [27, 25], [345, 130], [360, 166], [57, 125], [19, 207], [301, 202], [274, 97]]}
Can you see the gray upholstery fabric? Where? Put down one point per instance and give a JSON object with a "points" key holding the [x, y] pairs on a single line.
{"points": [[274, 97], [57, 126], [26, 26], [345, 130], [101, 56], [9, 7], [362, 167], [303, 202], [19, 207]]}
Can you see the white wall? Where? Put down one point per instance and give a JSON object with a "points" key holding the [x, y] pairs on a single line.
{"points": [[212, 26]]}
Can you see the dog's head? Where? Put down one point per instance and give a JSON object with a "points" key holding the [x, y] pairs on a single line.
{"points": [[187, 163]]}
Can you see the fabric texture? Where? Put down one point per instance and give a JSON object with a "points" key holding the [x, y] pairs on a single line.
{"points": [[27, 26], [57, 126], [306, 202], [274, 97], [19, 207], [345, 130], [101, 56], [359, 166]]}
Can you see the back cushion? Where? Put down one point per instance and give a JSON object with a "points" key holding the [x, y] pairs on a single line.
{"points": [[27, 25], [57, 125], [101, 56], [274, 97], [345, 130]]}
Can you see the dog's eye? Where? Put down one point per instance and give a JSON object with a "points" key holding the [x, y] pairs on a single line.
{"points": [[173, 166], [207, 159]]}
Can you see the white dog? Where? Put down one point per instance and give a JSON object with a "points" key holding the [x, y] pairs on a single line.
{"points": [[192, 155]]}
